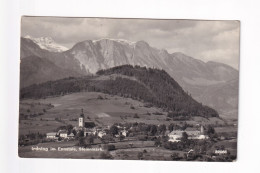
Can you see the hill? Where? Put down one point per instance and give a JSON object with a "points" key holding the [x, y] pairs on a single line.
{"points": [[193, 75], [39, 65], [35, 69], [153, 86]]}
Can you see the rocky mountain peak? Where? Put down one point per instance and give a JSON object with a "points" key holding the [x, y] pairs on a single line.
{"points": [[47, 43]]}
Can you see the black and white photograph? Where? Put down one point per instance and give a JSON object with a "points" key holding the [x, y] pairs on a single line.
{"points": [[129, 89]]}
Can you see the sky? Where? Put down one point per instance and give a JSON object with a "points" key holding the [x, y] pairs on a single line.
{"points": [[205, 40]]}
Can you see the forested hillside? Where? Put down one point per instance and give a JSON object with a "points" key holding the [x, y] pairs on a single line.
{"points": [[152, 86]]}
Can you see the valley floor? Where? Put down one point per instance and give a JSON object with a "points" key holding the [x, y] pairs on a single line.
{"points": [[42, 116]]}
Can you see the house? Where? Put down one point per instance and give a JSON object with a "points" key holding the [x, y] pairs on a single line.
{"points": [[63, 133], [89, 131], [175, 135], [193, 133], [101, 134], [203, 137], [124, 132], [51, 135], [71, 135]]}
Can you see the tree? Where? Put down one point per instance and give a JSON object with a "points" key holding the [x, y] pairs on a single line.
{"points": [[157, 142], [162, 128], [100, 97], [153, 130], [171, 127], [90, 139], [136, 115], [106, 155], [131, 145], [184, 137], [69, 128], [175, 156], [109, 147], [210, 130], [140, 155], [82, 142], [113, 130], [80, 134], [121, 137], [74, 132], [107, 138]]}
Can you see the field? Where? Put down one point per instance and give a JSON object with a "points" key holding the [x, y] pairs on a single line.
{"points": [[46, 115], [123, 151], [103, 109]]}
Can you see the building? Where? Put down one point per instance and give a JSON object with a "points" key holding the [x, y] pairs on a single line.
{"points": [[63, 133], [71, 135], [175, 135], [90, 131], [89, 124], [101, 134], [51, 135], [83, 123], [81, 119], [124, 132], [193, 133]]}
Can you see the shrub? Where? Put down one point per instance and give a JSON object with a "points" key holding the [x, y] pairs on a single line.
{"points": [[136, 115], [105, 155], [109, 147], [100, 97]]}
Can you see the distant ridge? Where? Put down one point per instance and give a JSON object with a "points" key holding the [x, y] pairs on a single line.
{"points": [[47, 43], [194, 76], [149, 85]]}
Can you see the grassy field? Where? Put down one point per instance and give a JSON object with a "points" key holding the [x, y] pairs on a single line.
{"points": [[46, 115], [103, 112], [101, 108], [123, 151]]}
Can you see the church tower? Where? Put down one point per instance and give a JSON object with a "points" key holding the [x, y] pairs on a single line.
{"points": [[81, 119], [201, 130]]}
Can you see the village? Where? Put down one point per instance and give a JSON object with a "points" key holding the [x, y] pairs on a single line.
{"points": [[130, 140], [88, 128]]}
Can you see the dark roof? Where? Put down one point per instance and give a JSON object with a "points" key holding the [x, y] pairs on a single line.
{"points": [[191, 129], [89, 124]]}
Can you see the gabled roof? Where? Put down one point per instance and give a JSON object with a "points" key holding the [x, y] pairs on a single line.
{"points": [[63, 131], [51, 134], [191, 129], [176, 132]]}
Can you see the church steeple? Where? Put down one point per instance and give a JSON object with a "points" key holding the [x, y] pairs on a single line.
{"points": [[81, 119], [201, 130]]}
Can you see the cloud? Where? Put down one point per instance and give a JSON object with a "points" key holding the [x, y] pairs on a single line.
{"points": [[205, 40]]}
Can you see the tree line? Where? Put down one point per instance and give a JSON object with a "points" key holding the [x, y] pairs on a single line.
{"points": [[151, 86]]}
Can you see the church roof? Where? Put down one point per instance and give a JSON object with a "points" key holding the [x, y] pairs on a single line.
{"points": [[82, 114]]}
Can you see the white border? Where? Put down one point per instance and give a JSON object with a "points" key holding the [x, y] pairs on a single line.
{"points": [[247, 11]]}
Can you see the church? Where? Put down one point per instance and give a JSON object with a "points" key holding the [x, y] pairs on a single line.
{"points": [[87, 126]]}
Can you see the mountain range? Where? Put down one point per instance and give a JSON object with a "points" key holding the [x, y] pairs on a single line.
{"points": [[47, 43], [214, 84], [138, 83]]}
